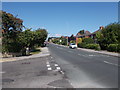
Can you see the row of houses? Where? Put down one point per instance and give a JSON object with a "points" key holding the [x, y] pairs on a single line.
{"points": [[82, 34]]}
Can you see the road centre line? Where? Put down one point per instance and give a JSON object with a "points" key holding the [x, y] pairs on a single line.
{"points": [[110, 63], [69, 51]]}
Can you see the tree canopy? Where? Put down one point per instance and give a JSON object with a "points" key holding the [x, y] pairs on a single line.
{"points": [[109, 35], [16, 40]]}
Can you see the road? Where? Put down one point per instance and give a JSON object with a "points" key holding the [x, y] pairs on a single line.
{"points": [[33, 73], [86, 69]]}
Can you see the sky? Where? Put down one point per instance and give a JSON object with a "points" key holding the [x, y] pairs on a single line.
{"points": [[64, 18]]}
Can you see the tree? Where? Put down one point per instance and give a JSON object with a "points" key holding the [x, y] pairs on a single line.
{"points": [[29, 39], [41, 36], [109, 35], [79, 40], [87, 40], [11, 27]]}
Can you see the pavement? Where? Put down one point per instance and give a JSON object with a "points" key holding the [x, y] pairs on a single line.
{"points": [[44, 52]]}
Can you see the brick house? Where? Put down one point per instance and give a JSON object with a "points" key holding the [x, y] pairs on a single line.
{"points": [[87, 34]]}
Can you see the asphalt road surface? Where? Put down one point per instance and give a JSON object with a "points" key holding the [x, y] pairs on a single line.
{"points": [[33, 73], [86, 69]]}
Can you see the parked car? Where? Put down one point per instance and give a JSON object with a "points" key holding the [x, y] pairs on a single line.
{"points": [[72, 45]]}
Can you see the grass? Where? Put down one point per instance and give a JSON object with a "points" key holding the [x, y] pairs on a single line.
{"points": [[35, 51]]}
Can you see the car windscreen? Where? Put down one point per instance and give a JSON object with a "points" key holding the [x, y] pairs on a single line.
{"points": [[72, 44]]}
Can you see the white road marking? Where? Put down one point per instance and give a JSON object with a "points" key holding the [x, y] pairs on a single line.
{"points": [[58, 68], [62, 72], [51, 57], [56, 64], [91, 55], [48, 65], [2, 72], [49, 68], [110, 63]]}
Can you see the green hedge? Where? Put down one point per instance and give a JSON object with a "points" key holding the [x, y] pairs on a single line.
{"points": [[89, 46], [113, 48], [93, 46], [88, 40], [81, 45]]}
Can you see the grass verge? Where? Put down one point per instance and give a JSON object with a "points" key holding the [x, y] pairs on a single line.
{"points": [[35, 51]]}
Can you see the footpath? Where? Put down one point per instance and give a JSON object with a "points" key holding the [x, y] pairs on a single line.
{"points": [[44, 52], [101, 51]]}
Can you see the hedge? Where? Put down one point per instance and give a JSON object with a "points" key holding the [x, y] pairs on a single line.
{"points": [[93, 46], [89, 46], [81, 45], [113, 48]]}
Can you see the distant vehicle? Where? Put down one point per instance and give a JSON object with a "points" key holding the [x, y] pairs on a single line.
{"points": [[72, 45]]}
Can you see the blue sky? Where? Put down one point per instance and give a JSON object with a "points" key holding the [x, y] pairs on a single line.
{"points": [[64, 18]]}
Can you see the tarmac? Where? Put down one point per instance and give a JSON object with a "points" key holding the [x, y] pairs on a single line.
{"points": [[101, 51]]}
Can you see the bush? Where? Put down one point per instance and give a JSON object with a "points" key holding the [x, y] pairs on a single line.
{"points": [[93, 46], [81, 45], [88, 40], [113, 48]]}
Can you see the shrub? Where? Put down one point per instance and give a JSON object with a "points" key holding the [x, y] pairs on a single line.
{"points": [[93, 46], [113, 48], [88, 40], [81, 45]]}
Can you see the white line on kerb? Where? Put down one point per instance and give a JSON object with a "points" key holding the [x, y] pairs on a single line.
{"points": [[110, 63]]}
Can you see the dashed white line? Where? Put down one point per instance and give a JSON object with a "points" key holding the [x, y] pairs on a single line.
{"points": [[49, 68], [48, 65], [2, 72], [91, 55], [56, 64], [110, 63], [58, 68], [62, 72]]}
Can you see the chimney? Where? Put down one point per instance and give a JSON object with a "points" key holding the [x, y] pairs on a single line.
{"points": [[101, 27]]}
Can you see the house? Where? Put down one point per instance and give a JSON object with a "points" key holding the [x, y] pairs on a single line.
{"points": [[87, 34]]}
